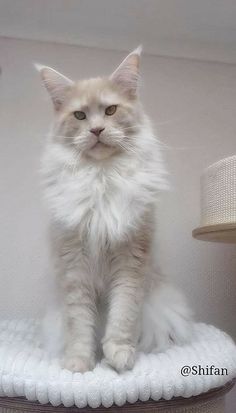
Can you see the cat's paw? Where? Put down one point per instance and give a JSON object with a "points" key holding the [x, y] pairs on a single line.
{"points": [[78, 364], [119, 356]]}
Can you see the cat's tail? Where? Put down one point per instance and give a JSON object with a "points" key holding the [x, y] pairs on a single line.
{"points": [[167, 319]]}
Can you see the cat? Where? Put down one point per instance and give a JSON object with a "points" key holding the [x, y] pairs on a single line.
{"points": [[102, 173]]}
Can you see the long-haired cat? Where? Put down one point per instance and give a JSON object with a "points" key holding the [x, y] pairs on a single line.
{"points": [[102, 173]]}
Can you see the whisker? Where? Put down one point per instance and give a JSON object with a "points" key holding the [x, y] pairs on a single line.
{"points": [[64, 137], [166, 122], [132, 127]]}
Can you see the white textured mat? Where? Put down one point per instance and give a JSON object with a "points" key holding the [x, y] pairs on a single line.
{"points": [[26, 371]]}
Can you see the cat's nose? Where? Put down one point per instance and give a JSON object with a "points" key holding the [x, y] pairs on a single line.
{"points": [[96, 131]]}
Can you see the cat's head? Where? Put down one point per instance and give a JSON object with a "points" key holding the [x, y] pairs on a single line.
{"points": [[97, 117]]}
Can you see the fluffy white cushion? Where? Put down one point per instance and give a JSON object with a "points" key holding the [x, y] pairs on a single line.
{"points": [[26, 371]]}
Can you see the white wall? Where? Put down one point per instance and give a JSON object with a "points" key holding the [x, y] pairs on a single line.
{"points": [[193, 108]]}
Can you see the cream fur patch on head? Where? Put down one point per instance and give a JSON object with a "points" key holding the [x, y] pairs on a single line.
{"points": [[98, 117]]}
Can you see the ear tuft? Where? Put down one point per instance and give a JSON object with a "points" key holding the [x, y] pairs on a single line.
{"points": [[138, 50], [56, 84], [38, 66], [127, 74]]}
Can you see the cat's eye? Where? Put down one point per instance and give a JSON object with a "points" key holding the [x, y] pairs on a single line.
{"points": [[110, 110], [79, 115]]}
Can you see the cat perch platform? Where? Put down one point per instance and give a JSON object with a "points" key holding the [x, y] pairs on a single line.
{"points": [[155, 383]]}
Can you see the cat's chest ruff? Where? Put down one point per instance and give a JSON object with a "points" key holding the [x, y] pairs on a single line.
{"points": [[99, 205], [96, 195]]}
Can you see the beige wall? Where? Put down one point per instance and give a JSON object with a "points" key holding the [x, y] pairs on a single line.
{"points": [[193, 108]]}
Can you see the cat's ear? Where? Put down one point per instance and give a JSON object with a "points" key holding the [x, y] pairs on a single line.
{"points": [[127, 74], [56, 84]]}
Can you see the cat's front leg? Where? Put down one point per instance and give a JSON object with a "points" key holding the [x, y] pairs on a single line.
{"points": [[125, 303], [79, 318]]}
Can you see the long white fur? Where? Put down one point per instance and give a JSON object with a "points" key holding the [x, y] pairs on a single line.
{"points": [[94, 204]]}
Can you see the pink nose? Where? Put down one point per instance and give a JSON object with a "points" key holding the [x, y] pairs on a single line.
{"points": [[96, 131]]}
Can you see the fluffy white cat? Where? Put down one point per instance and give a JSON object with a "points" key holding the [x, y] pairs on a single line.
{"points": [[102, 174]]}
